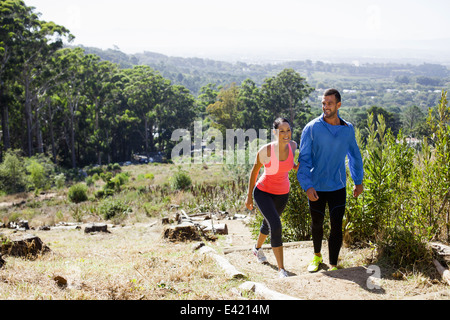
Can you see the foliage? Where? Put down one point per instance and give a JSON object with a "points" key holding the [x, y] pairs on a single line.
{"points": [[181, 180], [13, 177], [78, 193], [40, 170], [296, 218], [114, 209]]}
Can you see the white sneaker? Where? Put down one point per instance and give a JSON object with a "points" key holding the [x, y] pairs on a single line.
{"points": [[282, 274], [259, 254]]}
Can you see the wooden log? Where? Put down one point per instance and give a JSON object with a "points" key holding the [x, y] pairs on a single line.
{"points": [[445, 273], [96, 227], [220, 228], [441, 249], [229, 269]]}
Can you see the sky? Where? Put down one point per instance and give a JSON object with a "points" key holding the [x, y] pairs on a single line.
{"points": [[280, 29]]}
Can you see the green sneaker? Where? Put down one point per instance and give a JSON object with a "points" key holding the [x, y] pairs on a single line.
{"points": [[333, 269], [315, 263]]}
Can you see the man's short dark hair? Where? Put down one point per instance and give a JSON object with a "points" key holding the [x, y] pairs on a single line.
{"points": [[334, 92]]}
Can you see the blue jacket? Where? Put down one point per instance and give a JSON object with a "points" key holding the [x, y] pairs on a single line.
{"points": [[323, 148]]}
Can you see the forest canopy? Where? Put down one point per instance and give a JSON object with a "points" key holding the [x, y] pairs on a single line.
{"points": [[82, 106]]}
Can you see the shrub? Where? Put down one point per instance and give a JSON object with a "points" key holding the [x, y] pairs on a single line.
{"points": [[78, 193], [296, 219], [181, 180], [60, 180], [112, 209], [12, 173], [402, 248], [40, 169]]}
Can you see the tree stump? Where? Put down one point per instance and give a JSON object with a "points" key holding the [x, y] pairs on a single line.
{"points": [[24, 245], [96, 227], [182, 232]]}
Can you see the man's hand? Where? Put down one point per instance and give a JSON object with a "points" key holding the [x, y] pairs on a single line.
{"points": [[357, 190], [312, 194]]}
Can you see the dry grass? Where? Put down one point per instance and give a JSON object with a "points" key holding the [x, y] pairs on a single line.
{"points": [[130, 263]]}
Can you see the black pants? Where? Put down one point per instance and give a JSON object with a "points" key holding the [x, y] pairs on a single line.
{"points": [[271, 207], [336, 205]]}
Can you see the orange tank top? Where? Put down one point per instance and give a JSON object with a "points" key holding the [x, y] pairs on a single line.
{"points": [[275, 179]]}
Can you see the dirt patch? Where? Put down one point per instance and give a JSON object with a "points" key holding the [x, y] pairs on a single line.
{"points": [[353, 281]]}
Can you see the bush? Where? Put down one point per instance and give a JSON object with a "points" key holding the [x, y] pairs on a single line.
{"points": [[60, 180], [181, 180], [13, 176], [116, 210], [402, 248], [78, 193], [40, 169], [296, 219]]}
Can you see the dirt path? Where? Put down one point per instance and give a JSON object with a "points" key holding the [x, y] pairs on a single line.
{"points": [[355, 281]]}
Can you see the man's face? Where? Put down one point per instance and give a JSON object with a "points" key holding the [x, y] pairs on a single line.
{"points": [[330, 107]]}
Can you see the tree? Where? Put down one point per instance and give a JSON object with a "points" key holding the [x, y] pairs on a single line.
{"points": [[252, 114], [208, 95], [411, 117], [38, 41], [176, 112], [70, 95], [285, 95], [145, 90], [100, 86], [13, 13], [224, 112]]}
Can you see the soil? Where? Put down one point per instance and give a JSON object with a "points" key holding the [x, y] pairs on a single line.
{"points": [[353, 280]]}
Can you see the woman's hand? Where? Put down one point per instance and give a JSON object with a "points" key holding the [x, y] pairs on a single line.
{"points": [[249, 202]]}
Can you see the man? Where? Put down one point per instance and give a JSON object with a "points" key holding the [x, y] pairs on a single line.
{"points": [[324, 145]]}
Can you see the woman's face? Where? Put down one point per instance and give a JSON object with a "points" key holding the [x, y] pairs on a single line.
{"points": [[283, 133]]}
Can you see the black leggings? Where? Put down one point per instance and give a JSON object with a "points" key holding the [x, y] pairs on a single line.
{"points": [[336, 205], [271, 207]]}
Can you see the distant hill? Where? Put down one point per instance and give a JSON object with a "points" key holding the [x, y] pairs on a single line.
{"points": [[193, 73]]}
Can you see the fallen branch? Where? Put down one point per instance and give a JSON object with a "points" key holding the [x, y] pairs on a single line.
{"points": [[229, 269], [445, 273], [441, 250]]}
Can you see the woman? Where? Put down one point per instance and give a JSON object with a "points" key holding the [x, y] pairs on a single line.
{"points": [[271, 191]]}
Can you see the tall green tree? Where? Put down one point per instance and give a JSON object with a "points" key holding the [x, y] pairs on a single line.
{"points": [[145, 91], [176, 112], [38, 41], [100, 83], [13, 13], [224, 112], [285, 95], [253, 115]]}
